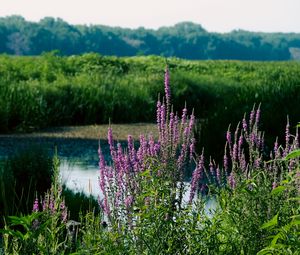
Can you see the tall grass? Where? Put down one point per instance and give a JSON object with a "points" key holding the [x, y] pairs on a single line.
{"points": [[24, 176], [48, 90]]}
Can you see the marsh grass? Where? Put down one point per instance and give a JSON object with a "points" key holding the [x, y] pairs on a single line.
{"points": [[46, 91], [23, 176], [79, 203]]}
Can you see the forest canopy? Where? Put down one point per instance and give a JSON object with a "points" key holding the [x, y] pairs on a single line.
{"points": [[184, 40]]}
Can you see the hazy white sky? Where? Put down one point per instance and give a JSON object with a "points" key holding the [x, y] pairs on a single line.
{"points": [[213, 15]]}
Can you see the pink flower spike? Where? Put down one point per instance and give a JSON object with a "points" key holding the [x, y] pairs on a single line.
{"points": [[35, 205], [167, 86]]}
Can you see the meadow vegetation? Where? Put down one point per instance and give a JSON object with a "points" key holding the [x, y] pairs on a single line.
{"points": [[147, 207]]}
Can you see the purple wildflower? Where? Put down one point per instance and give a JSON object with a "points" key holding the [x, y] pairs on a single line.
{"points": [[276, 149], [106, 208], [183, 117], [157, 148], [257, 162], [102, 170], [181, 158], [197, 175], [152, 151], [52, 204], [243, 163], [218, 175], [110, 138], [192, 148], [158, 112], [64, 211], [257, 117], [192, 122], [46, 202], [211, 167], [162, 122], [244, 123], [287, 137], [171, 127], [35, 205], [228, 137], [111, 143], [240, 144], [235, 152], [175, 130], [252, 117], [129, 143], [231, 181], [225, 159], [253, 139], [128, 201]]}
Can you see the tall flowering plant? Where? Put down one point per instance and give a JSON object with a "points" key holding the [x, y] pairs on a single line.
{"points": [[245, 152], [167, 159]]}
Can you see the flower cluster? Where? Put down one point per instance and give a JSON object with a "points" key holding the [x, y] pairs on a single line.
{"points": [[52, 204], [120, 182], [245, 151]]}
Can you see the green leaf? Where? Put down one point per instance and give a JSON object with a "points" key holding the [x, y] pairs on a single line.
{"points": [[146, 173], [293, 154], [265, 251], [295, 222], [275, 239], [271, 223], [17, 233], [278, 190], [294, 199]]}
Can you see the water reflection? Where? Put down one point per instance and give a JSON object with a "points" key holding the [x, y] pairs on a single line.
{"points": [[80, 177]]}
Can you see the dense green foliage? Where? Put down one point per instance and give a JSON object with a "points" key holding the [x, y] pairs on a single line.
{"points": [[49, 90], [184, 40], [79, 203], [22, 177]]}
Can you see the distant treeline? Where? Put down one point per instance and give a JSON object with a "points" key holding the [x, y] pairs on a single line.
{"points": [[184, 40]]}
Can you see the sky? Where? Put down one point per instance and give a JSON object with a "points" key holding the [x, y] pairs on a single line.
{"points": [[213, 15]]}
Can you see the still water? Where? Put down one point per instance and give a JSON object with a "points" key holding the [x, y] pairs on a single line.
{"points": [[80, 177]]}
